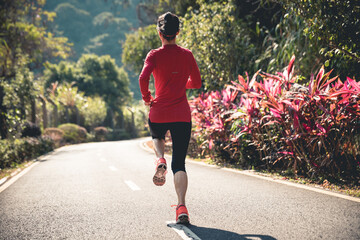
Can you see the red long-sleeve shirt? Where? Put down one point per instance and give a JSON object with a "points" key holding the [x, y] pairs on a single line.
{"points": [[175, 70]]}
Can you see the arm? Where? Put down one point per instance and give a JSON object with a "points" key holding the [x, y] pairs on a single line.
{"points": [[144, 77], [194, 80]]}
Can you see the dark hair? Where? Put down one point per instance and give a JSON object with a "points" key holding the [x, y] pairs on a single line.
{"points": [[168, 25]]}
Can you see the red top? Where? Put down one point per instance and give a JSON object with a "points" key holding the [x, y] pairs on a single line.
{"points": [[175, 70]]}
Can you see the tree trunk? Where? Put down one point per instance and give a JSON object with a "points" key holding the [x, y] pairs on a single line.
{"points": [[121, 120], [55, 113], [67, 117], [3, 111], [33, 111], [44, 112], [77, 113], [111, 112]]}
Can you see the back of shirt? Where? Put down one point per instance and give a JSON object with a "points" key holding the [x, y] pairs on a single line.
{"points": [[171, 66]]}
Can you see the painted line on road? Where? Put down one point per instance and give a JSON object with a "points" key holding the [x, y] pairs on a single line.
{"points": [[3, 180], [183, 231], [16, 177], [132, 185], [112, 168]]}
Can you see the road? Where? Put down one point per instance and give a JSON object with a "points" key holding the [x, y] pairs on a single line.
{"points": [[105, 191]]}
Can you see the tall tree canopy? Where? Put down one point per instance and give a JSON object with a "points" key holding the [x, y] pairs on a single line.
{"points": [[95, 76], [25, 43]]}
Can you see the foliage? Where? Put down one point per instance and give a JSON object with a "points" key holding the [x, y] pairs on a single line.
{"points": [[95, 76], [25, 43], [117, 134], [286, 40], [94, 111], [73, 133], [221, 43], [101, 76], [312, 129], [137, 46], [55, 134], [19, 93], [31, 130], [16, 151], [335, 24], [100, 133], [93, 26]]}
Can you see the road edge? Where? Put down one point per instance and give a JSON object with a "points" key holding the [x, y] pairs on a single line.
{"points": [[144, 146], [6, 182]]}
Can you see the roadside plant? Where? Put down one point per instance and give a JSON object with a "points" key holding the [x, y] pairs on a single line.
{"points": [[313, 130]]}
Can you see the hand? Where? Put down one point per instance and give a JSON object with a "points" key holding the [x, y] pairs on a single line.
{"points": [[148, 103]]}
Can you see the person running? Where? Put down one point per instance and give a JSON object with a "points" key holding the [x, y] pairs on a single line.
{"points": [[174, 69]]}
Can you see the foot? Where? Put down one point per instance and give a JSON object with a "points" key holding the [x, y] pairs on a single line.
{"points": [[182, 215], [160, 173]]}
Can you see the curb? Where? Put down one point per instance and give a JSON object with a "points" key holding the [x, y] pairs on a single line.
{"points": [[252, 174], [5, 182]]}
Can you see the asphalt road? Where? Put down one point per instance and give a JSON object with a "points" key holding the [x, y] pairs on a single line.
{"points": [[105, 191]]}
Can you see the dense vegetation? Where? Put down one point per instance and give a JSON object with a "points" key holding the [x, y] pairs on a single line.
{"points": [[60, 63]]}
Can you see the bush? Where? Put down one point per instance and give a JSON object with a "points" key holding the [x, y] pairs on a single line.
{"points": [[100, 133], [56, 134], [16, 151], [117, 134], [73, 133], [313, 130], [31, 130]]}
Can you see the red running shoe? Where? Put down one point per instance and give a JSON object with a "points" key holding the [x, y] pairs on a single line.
{"points": [[159, 177], [182, 215]]}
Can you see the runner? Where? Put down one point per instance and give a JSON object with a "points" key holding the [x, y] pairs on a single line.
{"points": [[175, 70]]}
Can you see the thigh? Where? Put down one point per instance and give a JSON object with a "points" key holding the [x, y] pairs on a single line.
{"points": [[180, 135], [158, 130]]}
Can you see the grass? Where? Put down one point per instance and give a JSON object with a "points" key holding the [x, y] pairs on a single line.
{"points": [[7, 172]]}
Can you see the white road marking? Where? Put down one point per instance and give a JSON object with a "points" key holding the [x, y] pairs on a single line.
{"points": [[16, 177], [132, 185], [3, 180], [183, 231], [112, 168]]}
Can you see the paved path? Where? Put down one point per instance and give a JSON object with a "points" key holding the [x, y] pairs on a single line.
{"points": [[105, 191]]}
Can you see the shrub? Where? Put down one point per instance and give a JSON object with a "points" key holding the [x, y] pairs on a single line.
{"points": [[100, 133], [31, 130], [73, 133], [117, 134], [313, 130], [16, 151], [56, 134]]}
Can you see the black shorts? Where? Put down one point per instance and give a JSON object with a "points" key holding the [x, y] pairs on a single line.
{"points": [[180, 135]]}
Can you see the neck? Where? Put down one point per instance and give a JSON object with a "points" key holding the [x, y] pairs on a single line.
{"points": [[166, 42]]}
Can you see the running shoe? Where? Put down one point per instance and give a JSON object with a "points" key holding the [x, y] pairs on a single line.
{"points": [[182, 215], [161, 170]]}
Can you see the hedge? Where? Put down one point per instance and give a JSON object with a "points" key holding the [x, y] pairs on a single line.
{"points": [[16, 151]]}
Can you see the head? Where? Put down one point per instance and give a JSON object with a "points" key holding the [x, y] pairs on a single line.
{"points": [[168, 26]]}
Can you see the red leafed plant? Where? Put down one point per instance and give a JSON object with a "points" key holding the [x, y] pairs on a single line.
{"points": [[313, 130]]}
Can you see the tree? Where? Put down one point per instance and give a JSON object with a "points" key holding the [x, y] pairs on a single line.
{"points": [[221, 44], [24, 43], [336, 25], [94, 111], [95, 76], [135, 49]]}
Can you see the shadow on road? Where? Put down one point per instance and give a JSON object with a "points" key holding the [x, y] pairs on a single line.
{"points": [[213, 233]]}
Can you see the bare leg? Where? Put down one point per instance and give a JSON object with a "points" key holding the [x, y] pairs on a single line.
{"points": [[159, 146], [181, 183]]}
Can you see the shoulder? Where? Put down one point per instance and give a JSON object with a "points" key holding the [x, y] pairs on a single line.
{"points": [[185, 50]]}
